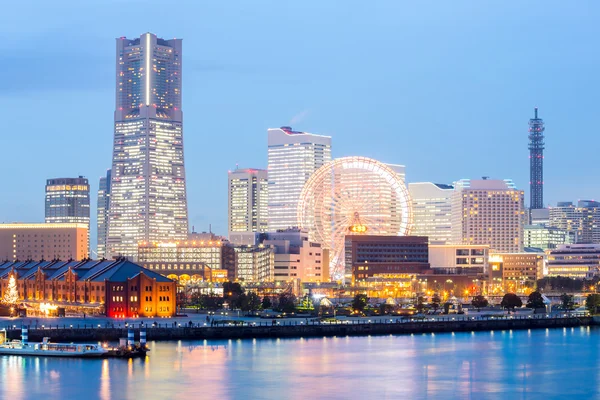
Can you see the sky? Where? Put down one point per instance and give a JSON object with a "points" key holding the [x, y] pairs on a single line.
{"points": [[443, 87]]}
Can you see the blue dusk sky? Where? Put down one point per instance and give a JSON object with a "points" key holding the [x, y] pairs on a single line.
{"points": [[444, 87]]}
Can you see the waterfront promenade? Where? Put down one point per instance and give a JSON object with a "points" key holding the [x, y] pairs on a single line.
{"points": [[167, 329]]}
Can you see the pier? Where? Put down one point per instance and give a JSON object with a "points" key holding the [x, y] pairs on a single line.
{"points": [[282, 328]]}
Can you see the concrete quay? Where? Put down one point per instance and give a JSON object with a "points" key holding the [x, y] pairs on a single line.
{"points": [[309, 328]]}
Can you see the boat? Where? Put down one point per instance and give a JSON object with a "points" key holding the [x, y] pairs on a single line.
{"points": [[46, 348]]}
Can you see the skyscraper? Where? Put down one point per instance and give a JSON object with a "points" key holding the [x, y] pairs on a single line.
{"points": [[148, 191], [247, 199], [68, 202], [293, 157], [488, 212], [432, 211], [102, 213], [536, 162]]}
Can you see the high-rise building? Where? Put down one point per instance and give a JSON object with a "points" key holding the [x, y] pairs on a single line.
{"points": [[148, 190], [68, 201], [581, 221], [488, 211], [432, 211], [247, 199], [50, 241], [536, 162], [293, 157], [102, 213]]}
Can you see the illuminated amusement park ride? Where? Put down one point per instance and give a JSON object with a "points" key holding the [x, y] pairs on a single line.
{"points": [[353, 196]]}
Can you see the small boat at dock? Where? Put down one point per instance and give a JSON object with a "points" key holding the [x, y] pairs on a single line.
{"points": [[46, 348]]}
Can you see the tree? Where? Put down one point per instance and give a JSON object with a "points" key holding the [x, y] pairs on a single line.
{"points": [[420, 304], [266, 303], [535, 300], [250, 302], [592, 303], [510, 301], [360, 302], [11, 296], [232, 289], [567, 301], [479, 302], [435, 302], [287, 303]]}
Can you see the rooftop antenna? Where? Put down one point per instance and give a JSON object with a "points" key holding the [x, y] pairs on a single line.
{"points": [[535, 110]]}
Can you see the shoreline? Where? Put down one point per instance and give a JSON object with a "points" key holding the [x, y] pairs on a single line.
{"points": [[297, 329]]}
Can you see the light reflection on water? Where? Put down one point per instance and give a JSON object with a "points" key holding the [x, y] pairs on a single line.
{"points": [[520, 364]]}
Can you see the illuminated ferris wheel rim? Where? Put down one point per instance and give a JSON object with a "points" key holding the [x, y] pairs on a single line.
{"points": [[345, 165]]}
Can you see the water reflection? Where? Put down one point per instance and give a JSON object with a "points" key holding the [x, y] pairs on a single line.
{"points": [[525, 364]]}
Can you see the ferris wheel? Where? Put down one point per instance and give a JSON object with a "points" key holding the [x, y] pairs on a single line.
{"points": [[353, 196]]}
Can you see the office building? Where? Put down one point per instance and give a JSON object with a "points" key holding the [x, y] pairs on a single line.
{"points": [[488, 212], [578, 261], [520, 271], [581, 221], [254, 264], [380, 260], [115, 288], [24, 241], [293, 157], [247, 201], [297, 258], [545, 237], [148, 188], [68, 201], [103, 206], [459, 258], [432, 211], [536, 162]]}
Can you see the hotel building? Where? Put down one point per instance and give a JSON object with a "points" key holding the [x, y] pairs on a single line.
{"points": [[148, 186], [432, 211], [247, 201], [488, 212], [293, 157], [24, 241]]}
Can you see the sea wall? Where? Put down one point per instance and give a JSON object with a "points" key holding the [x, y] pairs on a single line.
{"points": [[296, 329]]}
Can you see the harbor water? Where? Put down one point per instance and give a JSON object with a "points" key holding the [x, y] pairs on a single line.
{"points": [[527, 364]]}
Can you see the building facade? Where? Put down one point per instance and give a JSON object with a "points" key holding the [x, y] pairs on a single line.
{"points": [[574, 261], [432, 211], [488, 212], [382, 259], [247, 201], [197, 259], [521, 271], [582, 221], [459, 259], [296, 257], [103, 205], [115, 288], [148, 188], [43, 241], [293, 157], [545, 237], [536, 162], [254, 264], [68, 201]]}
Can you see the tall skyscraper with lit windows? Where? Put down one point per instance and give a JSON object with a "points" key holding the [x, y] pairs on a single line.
{"points": [[103, 206], [148, 191], [247, 200], [293, 157]]}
